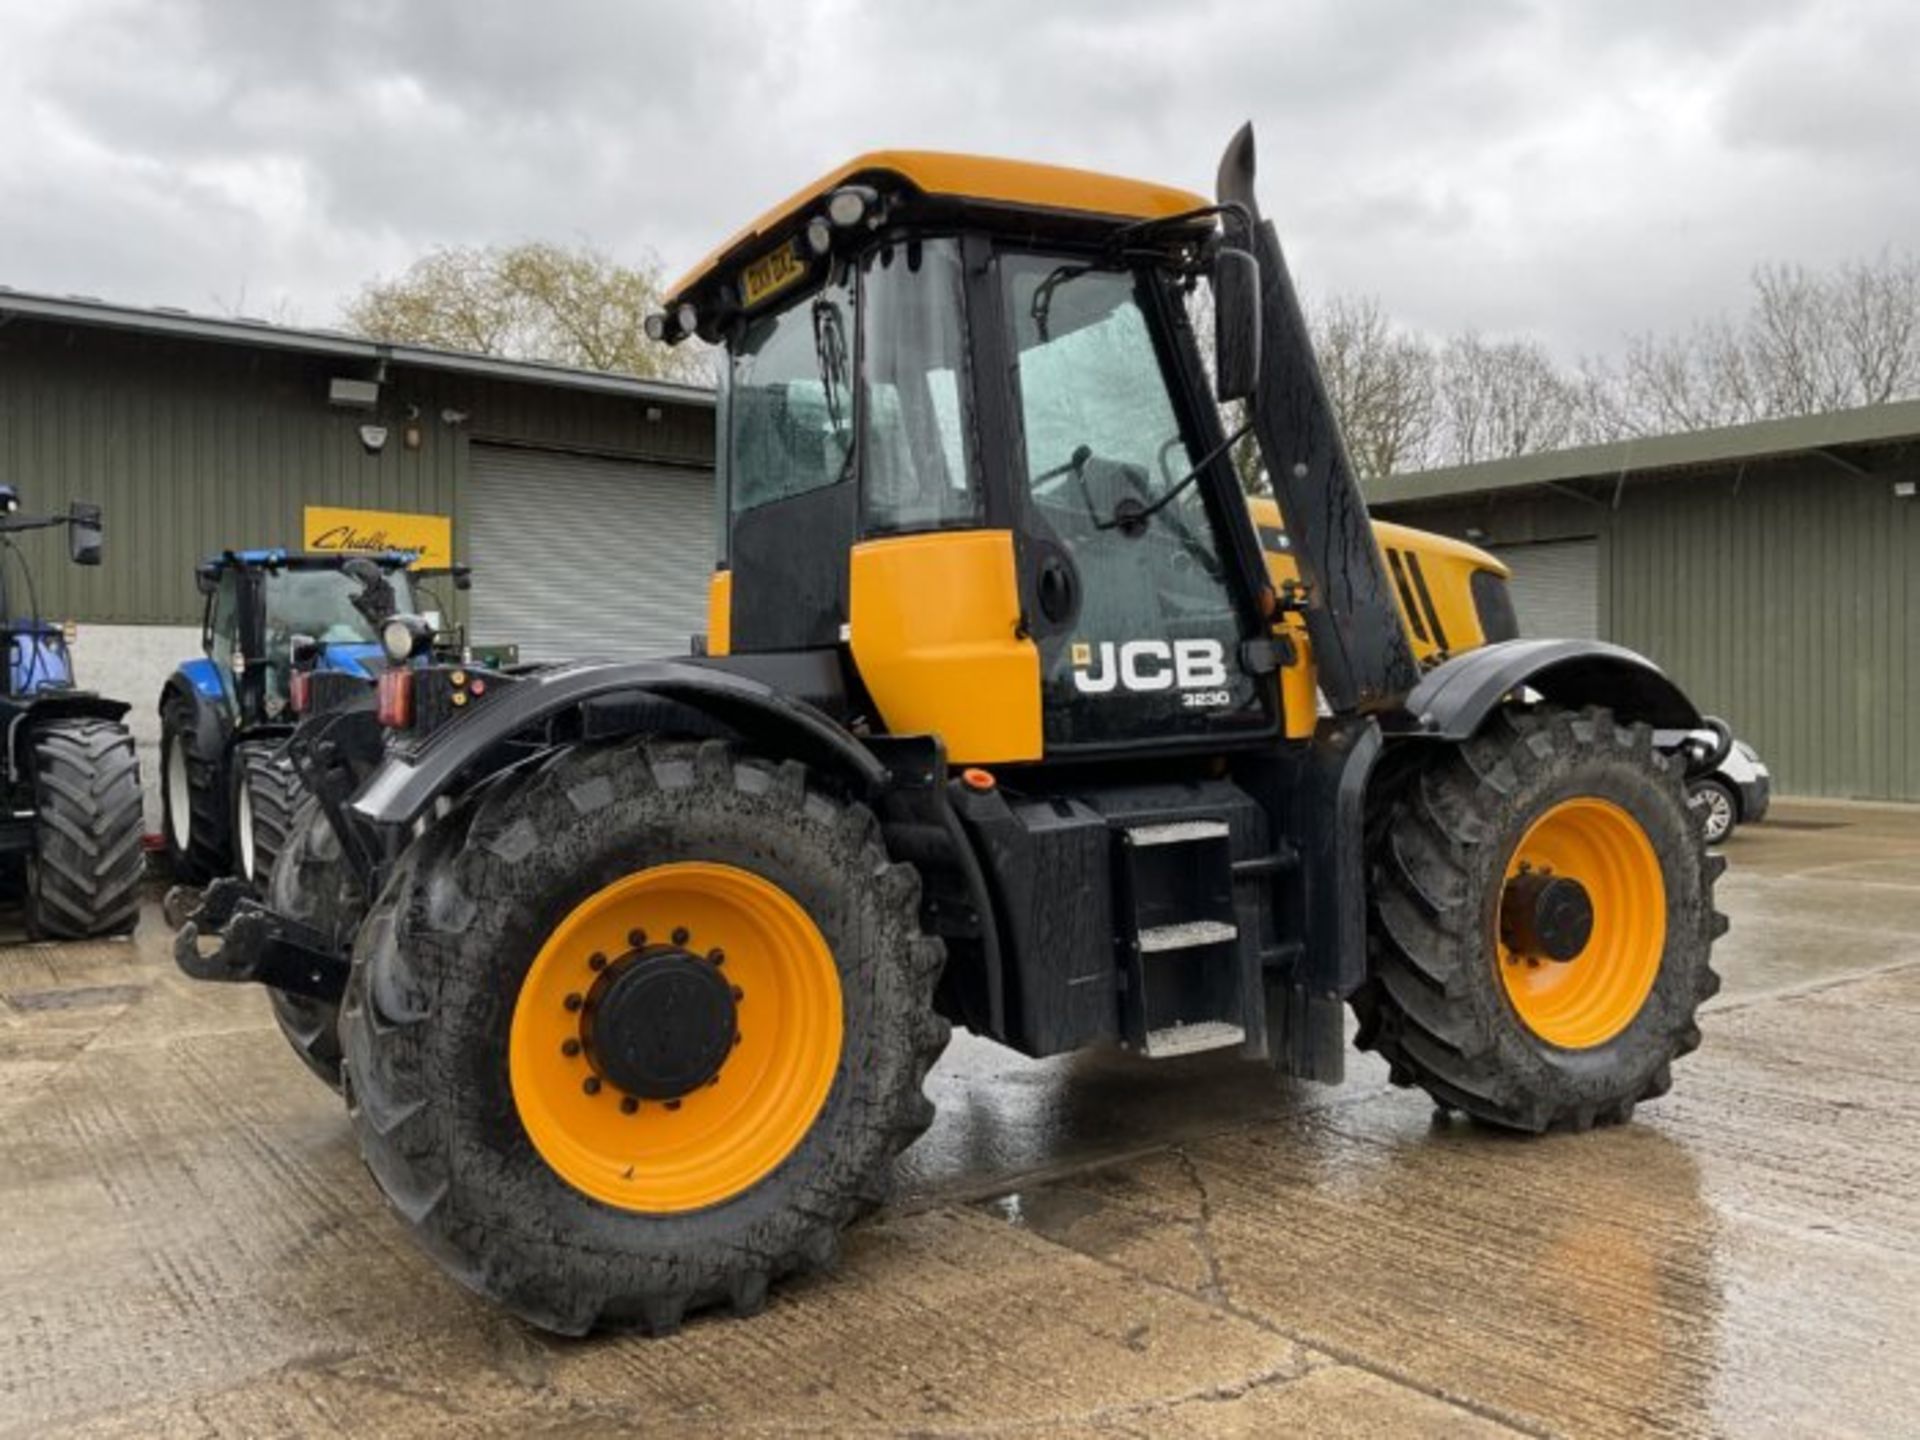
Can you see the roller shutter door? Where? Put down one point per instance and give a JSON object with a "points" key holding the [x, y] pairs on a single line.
{"points": [[575, 555], [1556, 588]]}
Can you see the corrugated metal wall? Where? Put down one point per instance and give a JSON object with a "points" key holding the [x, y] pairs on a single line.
{"points": [[1784, 599], [191, 446], [1784, 596]]}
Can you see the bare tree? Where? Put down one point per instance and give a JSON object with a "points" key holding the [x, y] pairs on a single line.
{"points": [[535, 301], [1807, 343], [1500, 398], [1381, 382]]}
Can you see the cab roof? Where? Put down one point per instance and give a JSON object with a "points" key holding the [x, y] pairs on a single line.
{"points": [[975, 179], [277, 559]]}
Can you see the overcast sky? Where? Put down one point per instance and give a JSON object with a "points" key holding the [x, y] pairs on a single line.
{"points": [[1570, 170]]}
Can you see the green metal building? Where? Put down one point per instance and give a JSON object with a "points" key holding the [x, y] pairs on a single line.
{"points": [[1773, 569], [583, 500]]}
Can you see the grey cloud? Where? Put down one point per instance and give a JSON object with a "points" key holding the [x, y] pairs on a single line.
{"points": [[1571, 169]]}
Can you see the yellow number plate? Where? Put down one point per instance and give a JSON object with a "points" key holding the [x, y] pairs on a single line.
{"points": [[770, 274]]}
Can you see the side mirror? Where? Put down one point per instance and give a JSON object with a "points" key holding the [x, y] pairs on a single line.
{"points": [[305, 651], [1236, 323], [84, 533], [206, 578], [462, 578]]}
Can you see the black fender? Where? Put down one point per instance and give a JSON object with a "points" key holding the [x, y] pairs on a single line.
{"points": [[412, 777], [49, 706], [1455, 698]]}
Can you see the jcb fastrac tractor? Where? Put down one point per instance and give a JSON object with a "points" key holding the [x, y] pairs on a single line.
{"points": [[1004, 721], [70, 822], [271, 616]]}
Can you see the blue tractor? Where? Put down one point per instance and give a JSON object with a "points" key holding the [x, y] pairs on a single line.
{"points": [[273, 619], [70, 820]]}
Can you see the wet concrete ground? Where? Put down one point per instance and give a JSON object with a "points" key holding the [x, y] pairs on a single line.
{"points": [[188, 1245]]}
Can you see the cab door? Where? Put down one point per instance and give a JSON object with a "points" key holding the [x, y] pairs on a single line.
{"points": [[1126, 586]]}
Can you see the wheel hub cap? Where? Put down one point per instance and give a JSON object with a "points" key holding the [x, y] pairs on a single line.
{"points": [[660, 1023], [1545, 917], [676, 1037], [1582, 923]]}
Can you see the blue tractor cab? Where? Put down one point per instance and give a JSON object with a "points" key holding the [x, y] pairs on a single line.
{"points": [[271, 616], [37, 657], [70, 815]]}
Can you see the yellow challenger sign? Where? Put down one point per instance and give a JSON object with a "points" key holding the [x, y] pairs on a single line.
{"points": [[331, 529]]}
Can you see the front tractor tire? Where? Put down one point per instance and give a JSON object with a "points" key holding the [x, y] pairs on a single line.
{"points": [[83, 877], [1541, 922], [266, 792], [639, 1030], [193, 803]]}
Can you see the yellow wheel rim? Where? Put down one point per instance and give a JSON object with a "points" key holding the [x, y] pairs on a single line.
{"points": [[721, 1138], [1586, 1001]]}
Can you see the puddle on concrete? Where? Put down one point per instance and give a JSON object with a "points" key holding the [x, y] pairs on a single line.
{"points": [[79, 997]]}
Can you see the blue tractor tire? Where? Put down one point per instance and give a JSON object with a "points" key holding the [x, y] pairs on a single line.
{"points": [[193, 793]]}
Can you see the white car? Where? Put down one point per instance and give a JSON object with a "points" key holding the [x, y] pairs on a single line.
{"points": [[1736, 792]]}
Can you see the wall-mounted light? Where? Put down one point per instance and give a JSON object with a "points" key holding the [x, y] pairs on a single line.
{"points": [[374, 438], [353, 394], [1903, 489]]}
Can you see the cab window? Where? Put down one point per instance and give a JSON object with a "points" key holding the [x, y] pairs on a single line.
{"points": [[917, 458], [789, 401]]}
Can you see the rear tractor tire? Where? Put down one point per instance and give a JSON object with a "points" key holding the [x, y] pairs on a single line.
{"points": [[312, 882], [83, 877], [1541, 922], [266, 791], [639, 1030]]}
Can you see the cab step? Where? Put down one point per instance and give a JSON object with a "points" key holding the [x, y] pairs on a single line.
{"points": [[1186, 935], [1182, 989], [1178, 1039], [1177, 832]]}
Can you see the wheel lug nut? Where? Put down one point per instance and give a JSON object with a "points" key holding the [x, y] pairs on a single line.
{"points": [[574, 1002], [717, 956], [628, 1104], [738, 994], [596, 961], [569, 1047], [673, 1104], [591, 1084], [680, 935], [636, 938]]}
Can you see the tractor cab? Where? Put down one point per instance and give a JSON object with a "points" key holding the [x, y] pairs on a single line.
{"points": [[978, 442], [273, 620], [38, 653], [260, 602]]}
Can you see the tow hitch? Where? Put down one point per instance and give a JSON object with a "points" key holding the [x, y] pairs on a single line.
{"points": [[251, 944]]}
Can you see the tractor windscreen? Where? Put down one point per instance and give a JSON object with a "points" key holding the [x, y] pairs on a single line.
{"points": [[319, 604]]}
